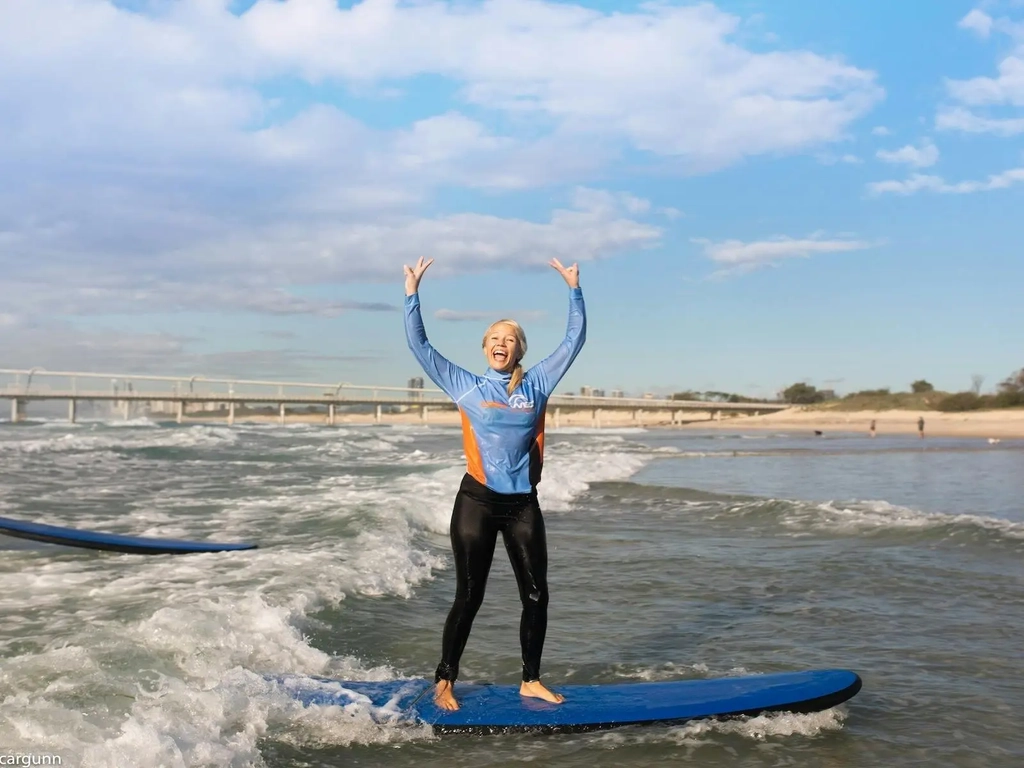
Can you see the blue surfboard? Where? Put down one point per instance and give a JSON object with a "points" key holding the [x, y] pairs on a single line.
{"points": [[74, 537], [500, 708]]}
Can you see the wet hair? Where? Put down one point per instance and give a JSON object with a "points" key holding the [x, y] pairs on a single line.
{"points": [[520, 334]]}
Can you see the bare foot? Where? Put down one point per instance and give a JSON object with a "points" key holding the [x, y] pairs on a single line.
{"points": [[443, 696], [538, 690]]}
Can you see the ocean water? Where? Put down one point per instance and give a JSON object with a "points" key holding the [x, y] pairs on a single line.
{"points": [[674, 555]]}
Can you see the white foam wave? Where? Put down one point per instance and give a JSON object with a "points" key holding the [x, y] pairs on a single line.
{"points": [[869, 515], [156, 438], [169, 653], [596, 432], [699, 734], [673, 671], [50, 422], [181, 681], [568, 475]]}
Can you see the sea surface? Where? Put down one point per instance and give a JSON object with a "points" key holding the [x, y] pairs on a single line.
{"points": [[674, 555]]}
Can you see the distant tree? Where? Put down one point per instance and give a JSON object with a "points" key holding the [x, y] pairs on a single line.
{"points": [[716, 397], [734, 398], [1007, 399], [870, 393], [976, 381], [961, 401], [687, 395], [1014, 383], [921, 386], [801, 393]]}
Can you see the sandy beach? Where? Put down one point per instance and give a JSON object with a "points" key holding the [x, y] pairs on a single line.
{"points": [[995, 424]]}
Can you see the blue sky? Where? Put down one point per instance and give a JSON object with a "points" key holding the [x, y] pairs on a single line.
{"points": [[756, 193]]}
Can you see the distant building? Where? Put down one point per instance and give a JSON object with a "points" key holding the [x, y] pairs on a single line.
{"points": [[416, 382], [617, 393], [586, 391]]}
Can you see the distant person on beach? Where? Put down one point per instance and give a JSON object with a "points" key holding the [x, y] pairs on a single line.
{"points": [[872, 428], [920, 426], [503, 439]]}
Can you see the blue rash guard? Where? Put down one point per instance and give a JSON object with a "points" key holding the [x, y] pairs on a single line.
{"points": [[502, 435]]}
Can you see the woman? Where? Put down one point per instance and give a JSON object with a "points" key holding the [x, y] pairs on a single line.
{"points": [[503, 439]]}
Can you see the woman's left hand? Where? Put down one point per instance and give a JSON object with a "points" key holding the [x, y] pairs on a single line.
{"points": [[571, 274]]}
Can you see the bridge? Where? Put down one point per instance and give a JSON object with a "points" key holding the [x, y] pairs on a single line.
{"points": [[137, 394]]}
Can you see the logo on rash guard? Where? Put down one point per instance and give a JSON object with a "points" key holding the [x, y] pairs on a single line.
{"points": [[519, 402]]}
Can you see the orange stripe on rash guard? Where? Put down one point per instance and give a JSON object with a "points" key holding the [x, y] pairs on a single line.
{"points": [[474, 464]]}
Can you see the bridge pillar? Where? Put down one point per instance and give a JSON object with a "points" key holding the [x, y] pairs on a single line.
{"points": [[423, 413], [281, 410], [126, 409], [181, 410], [72, 408], [675, 417], [757, 413], [377, 414], [716, 415], [595, 418], [17, 410], [558, 417], [231, 413], [330, 415]]}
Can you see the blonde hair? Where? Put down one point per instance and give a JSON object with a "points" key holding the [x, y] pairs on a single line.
{"points": [[520, 334]]}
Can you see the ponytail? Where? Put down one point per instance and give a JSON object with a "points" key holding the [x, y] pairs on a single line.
{"points": [[517, 378]]}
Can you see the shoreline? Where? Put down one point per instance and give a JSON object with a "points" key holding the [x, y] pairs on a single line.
{"points": [[991, 424]]}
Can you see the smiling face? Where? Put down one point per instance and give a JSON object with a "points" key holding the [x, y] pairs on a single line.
{"points": [[504, 346]]}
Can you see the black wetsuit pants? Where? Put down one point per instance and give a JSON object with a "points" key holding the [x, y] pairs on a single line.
{"points": [[479, 515]]}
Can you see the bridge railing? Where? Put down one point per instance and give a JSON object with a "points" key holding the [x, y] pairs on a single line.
{"points": [[41, 382]]}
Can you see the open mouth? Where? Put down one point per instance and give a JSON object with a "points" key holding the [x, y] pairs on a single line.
{"points": [[499, 356]]}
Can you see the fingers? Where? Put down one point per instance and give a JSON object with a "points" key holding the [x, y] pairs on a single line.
{"points": [[417, 271], [558, 265]]}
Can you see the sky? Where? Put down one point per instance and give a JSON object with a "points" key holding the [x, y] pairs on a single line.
{"points": [[757, 192]]}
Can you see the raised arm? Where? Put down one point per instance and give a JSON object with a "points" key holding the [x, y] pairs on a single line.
{"points": [[452, 380], [549, 371]]}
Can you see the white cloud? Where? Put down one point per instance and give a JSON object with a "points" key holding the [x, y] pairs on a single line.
{"points": [[63, 347], [976, 98], [978, 21], [738, 257], [170, 160], [959, 119], [880, 130], [919, 182], [1007, 88], [252, 269], [830, 159], [920, 157], [487, 315], [664, 79]]}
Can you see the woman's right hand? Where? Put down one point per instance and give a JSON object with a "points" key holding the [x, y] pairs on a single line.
{"points": [[414, 274]]}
